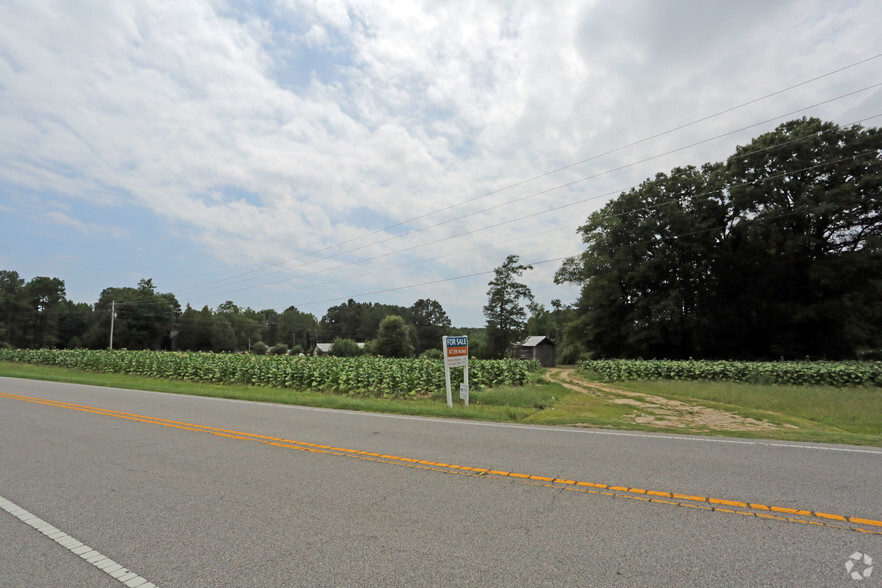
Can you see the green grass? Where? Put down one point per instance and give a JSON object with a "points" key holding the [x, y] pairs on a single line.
{"points": [[852, 410], [815, 414], [821, 414], [589, 411], [486, 405]]}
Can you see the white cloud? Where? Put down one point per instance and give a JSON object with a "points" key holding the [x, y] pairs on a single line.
{"points": [[60, 218], [258, 136], [317, 37]]}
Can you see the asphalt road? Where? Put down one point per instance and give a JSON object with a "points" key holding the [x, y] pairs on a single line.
{"points": [[269, 495]]}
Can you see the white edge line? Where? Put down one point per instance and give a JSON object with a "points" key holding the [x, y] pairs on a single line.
{"points": [[76, 547], [454, 421], [581, 431]]}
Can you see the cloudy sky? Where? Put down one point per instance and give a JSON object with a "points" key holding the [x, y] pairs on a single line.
{"points": [[291, 152]]}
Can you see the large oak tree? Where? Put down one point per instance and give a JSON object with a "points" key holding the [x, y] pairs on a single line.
{"points": [[777, 252]]}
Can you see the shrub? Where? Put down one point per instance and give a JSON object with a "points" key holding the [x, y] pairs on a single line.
{"points": [[393, 338], [259, 348], [432, 354], [345, 348], [278, 349]]}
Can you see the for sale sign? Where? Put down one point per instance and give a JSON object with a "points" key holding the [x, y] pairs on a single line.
{"points": [[456, 355], [456, 351]]}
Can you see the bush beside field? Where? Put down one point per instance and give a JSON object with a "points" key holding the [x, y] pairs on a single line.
{"points": [[842, 374], [363, 376]]}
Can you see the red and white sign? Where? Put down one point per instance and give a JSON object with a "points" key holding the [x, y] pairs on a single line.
{"points": [[456, 354], [456, 351]]}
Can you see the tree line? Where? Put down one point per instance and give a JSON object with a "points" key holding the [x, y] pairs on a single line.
{"points": [[36, 313], [775, 252]]}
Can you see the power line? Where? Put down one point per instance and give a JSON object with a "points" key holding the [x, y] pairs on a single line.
{"points": [[510, 221], [657, 205], [644, 208], [399, 266], [554, 171], [607, 194], [546, 191]]}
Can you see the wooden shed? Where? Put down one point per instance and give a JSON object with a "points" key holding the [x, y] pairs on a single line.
{"points": [[539, 347], [325, 348]]}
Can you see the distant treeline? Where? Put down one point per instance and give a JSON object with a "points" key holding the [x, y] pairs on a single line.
{"points": [[774, 253], [37, 314]]}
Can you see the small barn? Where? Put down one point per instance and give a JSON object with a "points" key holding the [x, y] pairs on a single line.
{"points": [[539, 347], [325, 348], [321, 348]]}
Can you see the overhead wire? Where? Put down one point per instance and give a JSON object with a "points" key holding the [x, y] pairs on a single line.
{"points": [[545, 174], [520, 183], [528, 196], [166, 303], [657, 205], [552, 189], [546, 191], [502, 223], [488, 272]]}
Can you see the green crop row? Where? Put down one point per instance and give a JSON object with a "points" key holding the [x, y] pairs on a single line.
{"points": [[842, 374], [367, 376]]}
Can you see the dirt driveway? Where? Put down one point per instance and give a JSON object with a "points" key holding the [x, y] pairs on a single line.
{"points": [[656, 411]]}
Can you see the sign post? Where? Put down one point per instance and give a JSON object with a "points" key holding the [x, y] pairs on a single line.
{"points": [[456, 354]]}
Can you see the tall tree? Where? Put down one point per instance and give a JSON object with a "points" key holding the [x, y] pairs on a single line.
{"points": [[506, 317], [298, 328], [776, 253], [393, 338], [269, 325], [356, 320], [13, 309], [246, 327], [43, 296], [341, 321], [430, 322], [194, 329], [649, 265], [223, 337], [144, 318], [806, 203], [75, 321]]}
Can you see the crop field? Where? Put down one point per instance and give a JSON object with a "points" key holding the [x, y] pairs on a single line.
{"points": [[505, 391], [840, 374], [361, 376]]}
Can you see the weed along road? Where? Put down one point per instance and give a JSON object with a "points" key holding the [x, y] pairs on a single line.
{"points": [[185, 491]]}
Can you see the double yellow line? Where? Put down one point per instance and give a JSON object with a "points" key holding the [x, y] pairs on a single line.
{"points": [[780, 513]]}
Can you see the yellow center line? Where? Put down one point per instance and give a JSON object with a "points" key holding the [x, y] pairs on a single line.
{"points": [[685, 500]]}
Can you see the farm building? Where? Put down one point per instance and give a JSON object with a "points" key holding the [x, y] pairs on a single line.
{"points": [[321, 348], [539, 347], [324, 348]]}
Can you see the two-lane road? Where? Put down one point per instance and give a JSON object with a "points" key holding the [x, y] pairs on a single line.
{"points": [[185, 491]]}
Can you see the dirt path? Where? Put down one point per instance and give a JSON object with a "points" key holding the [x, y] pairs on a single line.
{"points": [[656, 411]]}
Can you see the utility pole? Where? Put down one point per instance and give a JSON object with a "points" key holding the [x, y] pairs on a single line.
{"points": [[112, 316]]}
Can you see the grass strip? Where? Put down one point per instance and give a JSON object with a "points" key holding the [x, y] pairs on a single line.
{"points": [[490, 409], [854, 410], [814, 414]]}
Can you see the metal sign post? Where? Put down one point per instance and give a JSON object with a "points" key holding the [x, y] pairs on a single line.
{"points": [[456, 354]]}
